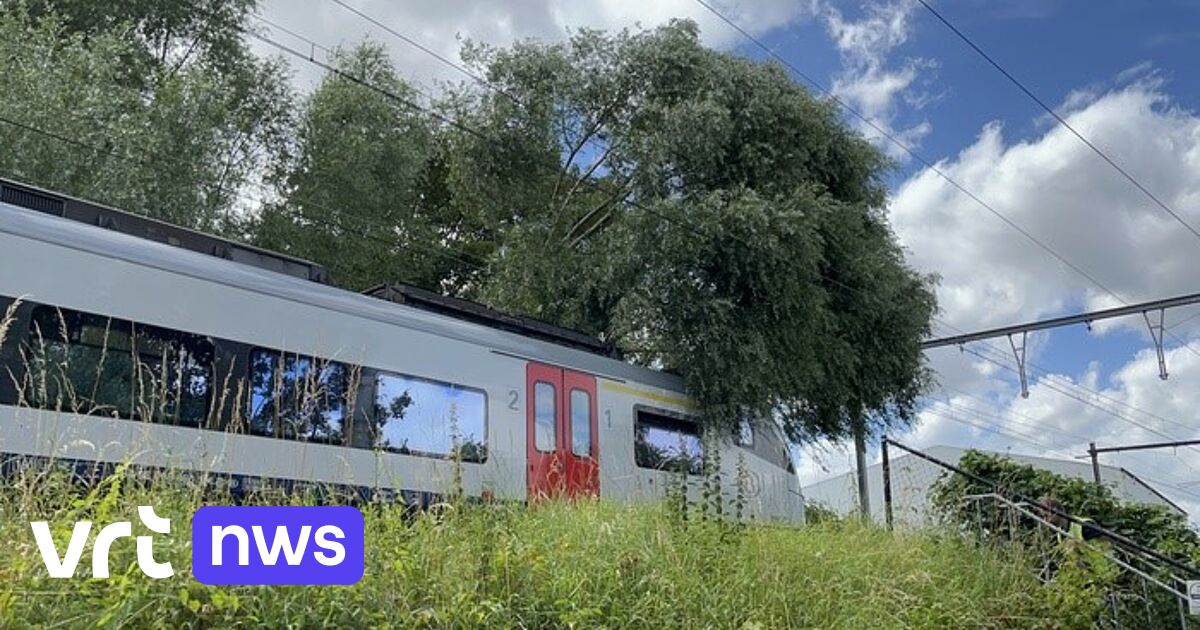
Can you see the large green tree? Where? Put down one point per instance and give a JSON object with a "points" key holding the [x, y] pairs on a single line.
{"points": [[122, 108], [706, 214], [354, 195]]}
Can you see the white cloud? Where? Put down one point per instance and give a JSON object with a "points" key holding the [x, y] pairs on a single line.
{"points": [[1057, 189], [867, 83], [443, 25], [1133, 407]]}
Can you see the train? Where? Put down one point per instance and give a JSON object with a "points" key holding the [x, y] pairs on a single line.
{"points": [[132, 341]]}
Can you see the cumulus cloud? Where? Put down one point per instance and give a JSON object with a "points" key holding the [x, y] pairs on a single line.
{"points": [[1061, 416], [867, 82], [1057, 189], [442, 26]]}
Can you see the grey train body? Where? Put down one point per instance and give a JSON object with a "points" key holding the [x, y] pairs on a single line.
{"points": [[63, 265]]}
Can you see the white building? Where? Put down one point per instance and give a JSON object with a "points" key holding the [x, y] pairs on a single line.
{"points": [[913, 478]]}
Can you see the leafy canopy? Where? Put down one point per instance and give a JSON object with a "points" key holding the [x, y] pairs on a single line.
{"points": [[177, 137], [351, 196], [1152, 525], [704, 213], [698, 210]]}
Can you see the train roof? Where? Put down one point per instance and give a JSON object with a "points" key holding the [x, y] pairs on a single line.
{"points": [[99, 215], [38, 214], [476, 312]]}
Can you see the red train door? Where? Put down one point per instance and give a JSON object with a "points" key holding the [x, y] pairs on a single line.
{"points": [[561, 447]]}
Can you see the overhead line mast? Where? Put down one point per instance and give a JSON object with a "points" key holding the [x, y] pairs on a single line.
{"points": [[1154, 312], [1066, 320]]}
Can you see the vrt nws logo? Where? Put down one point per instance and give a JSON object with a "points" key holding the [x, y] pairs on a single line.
{"points": [[62, 567]]}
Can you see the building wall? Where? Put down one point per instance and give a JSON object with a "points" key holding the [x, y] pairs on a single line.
{"points": [[913, 477]]}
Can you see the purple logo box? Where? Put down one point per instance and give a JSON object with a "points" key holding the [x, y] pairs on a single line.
{"points": [[277, 545]]}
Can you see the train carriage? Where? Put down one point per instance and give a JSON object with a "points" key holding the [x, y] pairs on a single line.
{"points": [[135, 341]]}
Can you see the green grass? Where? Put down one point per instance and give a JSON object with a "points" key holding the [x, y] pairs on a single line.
{"points": [[591, 564]]}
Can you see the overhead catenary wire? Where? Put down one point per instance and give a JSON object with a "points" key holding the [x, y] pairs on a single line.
{"points": [[427, 50], [991, 419], [1040, 424], [990, 416], [491, 86], [1055, 386], [1062, 381], [659, 215], [1073, 396], [1029, 420], [992, 428], [1055, 381], [573, 235], [1077, 398], [983, 424], [447, 121], [1061, 121], [396, 97], [231, 191], [701, 234], [903, 146], [931, 166], [682, 222], [334, 70]]}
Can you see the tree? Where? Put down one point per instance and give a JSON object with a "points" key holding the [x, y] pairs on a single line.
{"points": [[706, 214], [353, 197], [1154, 526], [93, 114], [1151, 525], [169, 33]]}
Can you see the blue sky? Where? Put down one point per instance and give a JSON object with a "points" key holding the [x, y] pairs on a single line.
{"points": [[1122, 72], [1055, 47]]}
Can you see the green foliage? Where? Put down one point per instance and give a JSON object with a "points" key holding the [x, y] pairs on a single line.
{"points": [[353, 195], [1082, 576], [171, 140], [1151, 525], [170, 33], [1081, 584], [730, 227], [582, 565], [701, 211], [818, 514]]}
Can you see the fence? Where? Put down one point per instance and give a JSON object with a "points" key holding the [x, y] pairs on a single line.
{"points": [[1142, 587]]}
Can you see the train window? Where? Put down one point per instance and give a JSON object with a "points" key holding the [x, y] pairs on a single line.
{"points": [[297, 397], [422, 417], [95, 365], [667, 443], [581, 423], [745, 434], [545, 411]]}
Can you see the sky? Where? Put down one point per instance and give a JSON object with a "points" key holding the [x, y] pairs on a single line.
{"points": [[1120, 72]]}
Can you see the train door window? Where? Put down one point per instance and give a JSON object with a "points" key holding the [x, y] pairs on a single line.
{"points": [[416, 416], [581, 423], [666, 443], [96, 365], [297, 397], [545, 409]]}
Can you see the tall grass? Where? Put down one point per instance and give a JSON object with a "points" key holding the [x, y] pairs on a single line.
{"points": [[586, 564], [6, 320], [556, 564]]}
